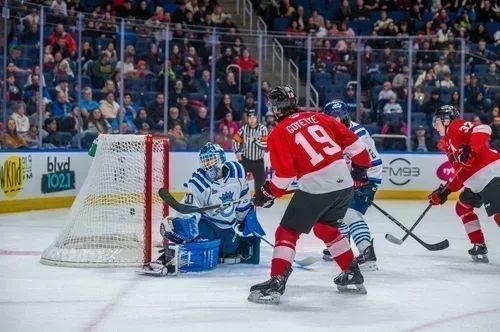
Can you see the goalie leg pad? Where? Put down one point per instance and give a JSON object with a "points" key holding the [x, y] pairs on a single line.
{"points": [[199, 256], [229, 240], [249, 250]]}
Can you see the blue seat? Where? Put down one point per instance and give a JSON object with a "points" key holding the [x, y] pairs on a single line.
{"points": [[304, 3], [333, 91], [237, 101], [97, 95], [280, 24], [25, 63], [342, 78], [86, 82], [136, 97], [135, 84], [102, 43], [375, 91], [197, 96], [322, 80], [481, 70], [164, 2], [445, 94], [149, 98], [418, 118], [68, 78], [372, 128], [170, 8], [396, 15]]}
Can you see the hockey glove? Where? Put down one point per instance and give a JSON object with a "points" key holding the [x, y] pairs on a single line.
{"points": [[359, 176], [264, 196], [181, 230], [465, 155], [439, 197]]}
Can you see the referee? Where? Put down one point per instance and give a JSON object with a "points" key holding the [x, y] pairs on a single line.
{"points": [[250, 144]]}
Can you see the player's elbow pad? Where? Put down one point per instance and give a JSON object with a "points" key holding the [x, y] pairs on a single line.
{"points": [[362, 159]]}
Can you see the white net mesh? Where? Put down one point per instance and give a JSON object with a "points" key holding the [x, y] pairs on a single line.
{"points": [[107, 222]]}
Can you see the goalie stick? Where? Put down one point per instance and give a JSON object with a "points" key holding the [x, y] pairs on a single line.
{"points": [[395, 240]]}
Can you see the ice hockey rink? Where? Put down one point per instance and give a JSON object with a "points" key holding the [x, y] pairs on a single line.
{"points": [[414, 290]]}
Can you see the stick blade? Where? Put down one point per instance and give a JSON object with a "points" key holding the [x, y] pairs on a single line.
{"points": [[438, 246], [391, 238], [306, 261]]}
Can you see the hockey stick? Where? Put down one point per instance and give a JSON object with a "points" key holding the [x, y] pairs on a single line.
{"points": [[395, 240], [167, 197], [302, 263]]}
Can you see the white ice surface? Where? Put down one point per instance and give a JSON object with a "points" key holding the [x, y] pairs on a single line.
{"points": [[414, 290]]}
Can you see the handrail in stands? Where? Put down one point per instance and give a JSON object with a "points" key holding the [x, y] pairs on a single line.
{"points": [[260, 22], [314, 100], [278, 53], [228, 68], [293, 74], [247, 10]]}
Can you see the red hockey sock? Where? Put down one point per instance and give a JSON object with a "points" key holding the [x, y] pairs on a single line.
{"points": [[496, 217], [471, 222], [337, 244], [284, 250]]}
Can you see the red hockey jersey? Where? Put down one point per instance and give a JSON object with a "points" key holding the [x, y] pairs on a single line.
{"points": [[309, 146], [486, 163]]}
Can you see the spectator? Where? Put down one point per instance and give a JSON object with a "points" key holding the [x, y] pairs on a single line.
{"points": [[299, 16], [129, 106], [344, 13], [400, 78], [35, 72], [481, 34], [177, 139], [224, 107], [249, 103], [441, 66], [430, 107], [63, 8], [455, 100], [270, 118], [224, 138], [317, 19], [185, 109], [246, 62], [14, 91], [386, 93], [224, 61], [51, 136], [19, 116], [383, 23], [476, 104], [87, 104], [11, 138], [360, 12], [128, 66], [229, 86], [206, 82], [416, 13], [142, 12], [473, 87], [60, 33], [31, 137], [422, 143], [155, 110], [143, 71], [350, 98], [446, 82], [31, 37], [285, 10], [78, 123], [60, 108], [392, 106], [152, 57], [327, 53], [228, 121], [97, 123], [486, 14], [444, 34], [364, 116], [495, 133], [127, 124], [174, 119], [440, 17], [199, 123], [109, 107], [426, 55], [492, 78], [109, 86], [218, 16], [477, 121], [143, 118], [102, 70], [63, 87], [177, 93]]}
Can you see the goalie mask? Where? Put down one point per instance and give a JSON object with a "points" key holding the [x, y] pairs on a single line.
{"points": [[212, 158], [282, 102]]}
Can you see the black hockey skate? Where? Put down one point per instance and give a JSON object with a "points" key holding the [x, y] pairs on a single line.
{"points": [[479, 253], [351, 277], [269, 292], [367, 260]]}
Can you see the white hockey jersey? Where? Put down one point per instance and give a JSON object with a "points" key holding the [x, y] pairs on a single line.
{"points": [[374, 172], [233, 186]]}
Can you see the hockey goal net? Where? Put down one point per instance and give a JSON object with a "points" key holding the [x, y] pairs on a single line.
{"points": [[115, 216]]}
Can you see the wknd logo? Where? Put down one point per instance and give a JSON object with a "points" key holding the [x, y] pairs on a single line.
{"points": [[13, 173], [445, 171]]}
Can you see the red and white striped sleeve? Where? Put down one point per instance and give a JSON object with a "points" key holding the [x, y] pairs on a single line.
{"points": [[281, 161]]}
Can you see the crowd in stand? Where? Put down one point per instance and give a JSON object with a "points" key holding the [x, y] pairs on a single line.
{"points": [[384, 66], [144, 103]]}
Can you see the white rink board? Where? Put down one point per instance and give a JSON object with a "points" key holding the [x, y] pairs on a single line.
{"points": [[29, 180]]}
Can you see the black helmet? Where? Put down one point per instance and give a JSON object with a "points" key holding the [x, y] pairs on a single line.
{"points": [[447, 112], [282, 101]]}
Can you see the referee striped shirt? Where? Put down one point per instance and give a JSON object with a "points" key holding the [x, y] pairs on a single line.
{"points": [[251, 149]]}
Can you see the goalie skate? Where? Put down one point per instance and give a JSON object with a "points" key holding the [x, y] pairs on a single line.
{"points": [[351, 281], [479, 253]]}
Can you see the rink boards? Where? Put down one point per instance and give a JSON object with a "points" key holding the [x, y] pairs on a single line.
{"points": [[35, 180]]}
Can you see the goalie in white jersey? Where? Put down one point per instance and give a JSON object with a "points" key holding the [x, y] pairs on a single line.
{"points": [[353, 222], [217, 181]]}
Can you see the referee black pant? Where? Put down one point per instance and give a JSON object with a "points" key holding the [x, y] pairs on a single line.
{"points": [[256, 167]]}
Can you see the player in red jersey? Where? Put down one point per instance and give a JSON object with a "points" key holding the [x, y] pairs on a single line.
{"points": [[309, 146], [466, 147]]}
